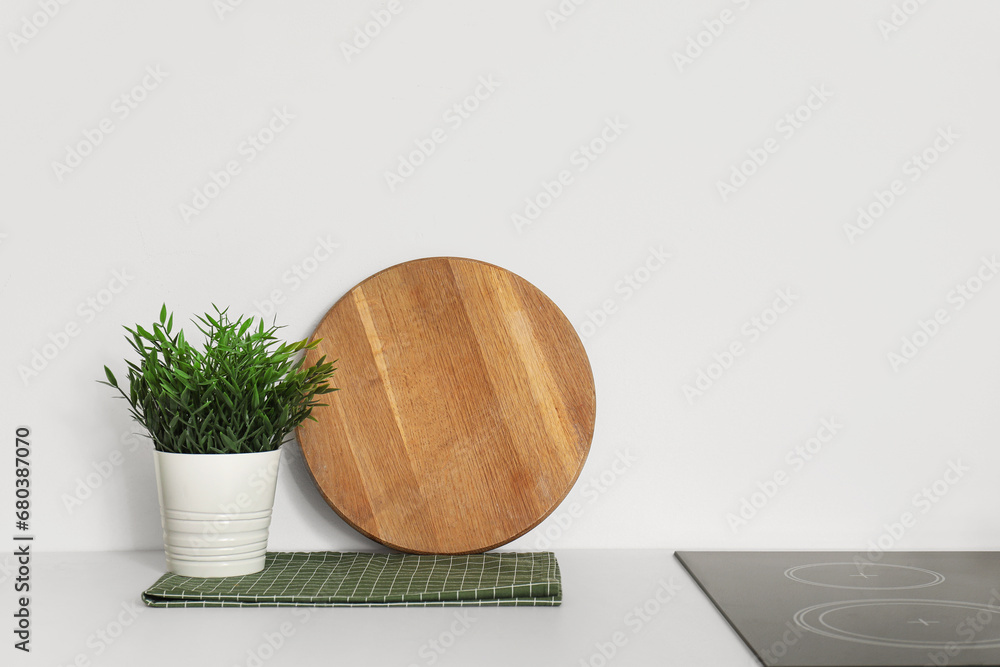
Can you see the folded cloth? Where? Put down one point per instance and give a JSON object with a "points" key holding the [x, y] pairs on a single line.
{"points": [[336, 579]]}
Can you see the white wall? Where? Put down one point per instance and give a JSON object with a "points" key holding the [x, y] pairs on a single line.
{"points": [[656, 186]]}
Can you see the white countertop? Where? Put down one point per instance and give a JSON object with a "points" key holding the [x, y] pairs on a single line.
{"points": [[86, 611]]}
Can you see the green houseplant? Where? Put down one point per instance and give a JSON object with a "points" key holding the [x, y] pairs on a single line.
{"points": [[217, 418]]}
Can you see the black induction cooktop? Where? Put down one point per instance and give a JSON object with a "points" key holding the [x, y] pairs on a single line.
{"points": [[847, 609]]}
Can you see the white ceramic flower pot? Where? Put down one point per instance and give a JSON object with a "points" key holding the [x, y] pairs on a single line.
{"points": [[216, 511]]}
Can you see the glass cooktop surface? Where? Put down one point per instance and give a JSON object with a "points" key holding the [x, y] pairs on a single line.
{"points": [[847, 609]]}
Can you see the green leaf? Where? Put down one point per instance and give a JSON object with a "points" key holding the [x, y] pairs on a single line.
{"points": [[243, 391]]}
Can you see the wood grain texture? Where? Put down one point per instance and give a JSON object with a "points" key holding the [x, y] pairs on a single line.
{"points": [[465, 412]]}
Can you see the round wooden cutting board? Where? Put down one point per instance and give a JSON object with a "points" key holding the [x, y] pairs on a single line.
{"points": [[465, 412]]}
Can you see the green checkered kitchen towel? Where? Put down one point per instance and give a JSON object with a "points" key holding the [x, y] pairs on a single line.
{"points": [[335, 579]]}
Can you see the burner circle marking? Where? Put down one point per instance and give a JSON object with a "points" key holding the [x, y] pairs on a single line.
{"points": [[820, 611], [793, 573]]}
